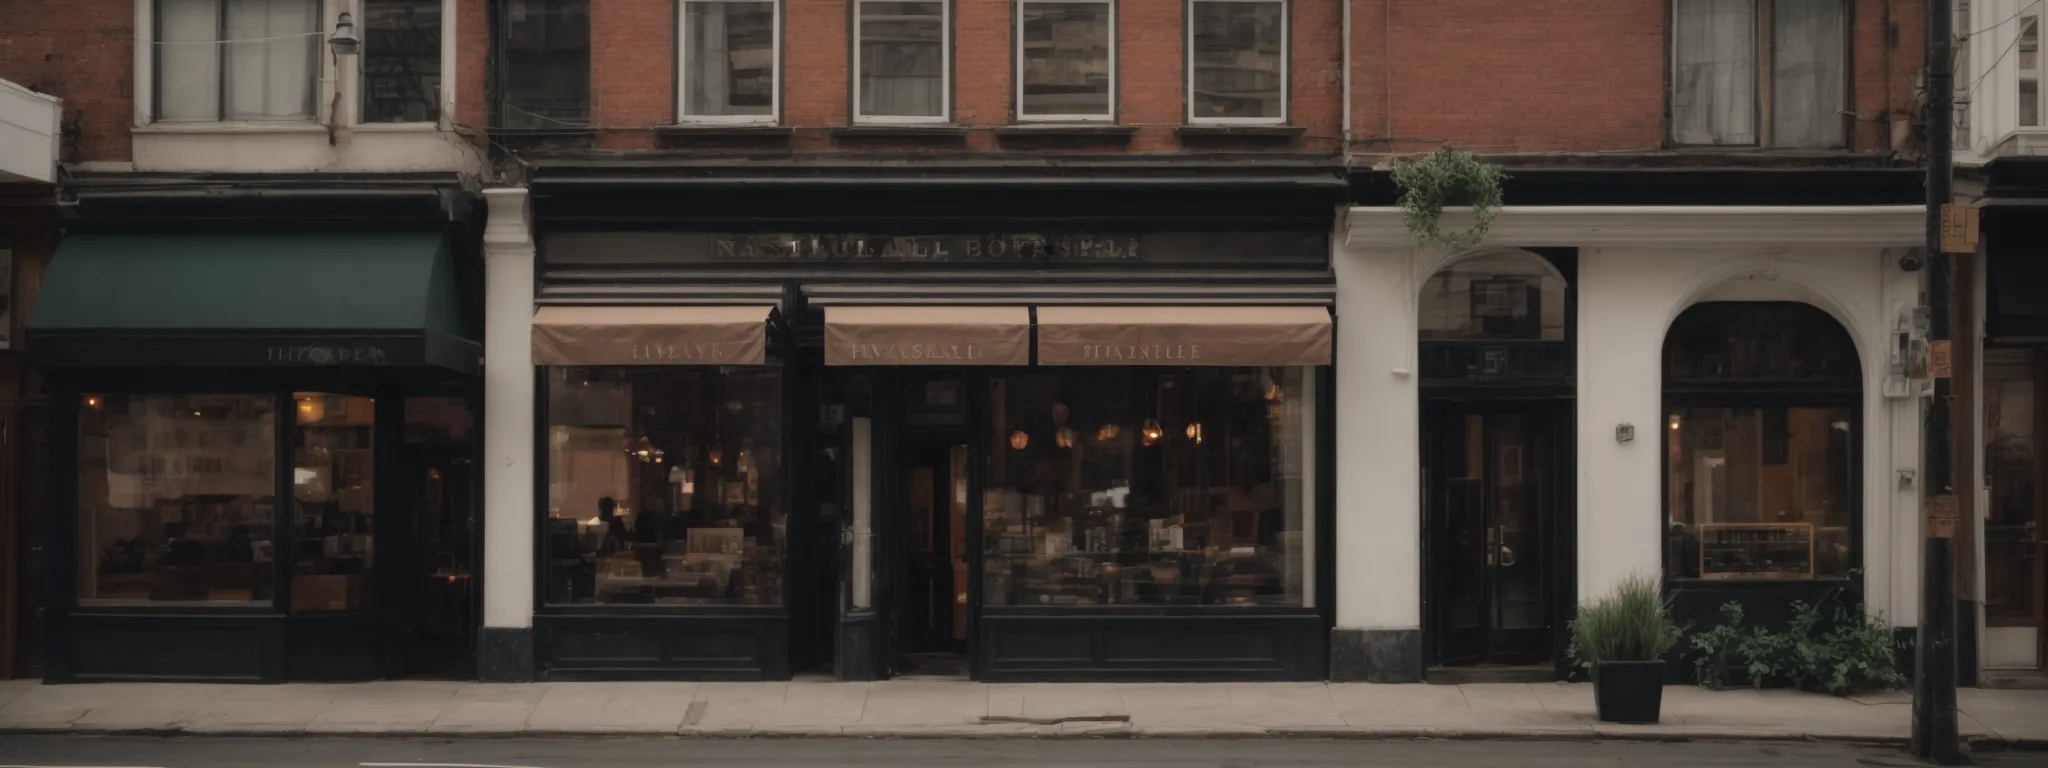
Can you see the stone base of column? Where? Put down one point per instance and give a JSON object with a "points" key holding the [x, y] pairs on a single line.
{"points": [[505, 655], [1375, 655]]}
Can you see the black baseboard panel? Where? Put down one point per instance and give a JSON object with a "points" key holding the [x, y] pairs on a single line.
{"points": [[857, 655], [1906, 640], [1083, 646], [1968, 668], [505, 655], [734, 647], [169, 648], [1375, 655]]}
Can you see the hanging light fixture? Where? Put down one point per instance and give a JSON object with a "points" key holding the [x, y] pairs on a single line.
{"points": [[1274, 392], [1151, 432], [1018, 440], [311, 409], [1059, 414], [1065, 437], [1195, 432], [645, 450], [1108, 432], [92, 401], [715, 455]]}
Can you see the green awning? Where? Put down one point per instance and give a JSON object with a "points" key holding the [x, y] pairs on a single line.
{"points": [[384, 299]]}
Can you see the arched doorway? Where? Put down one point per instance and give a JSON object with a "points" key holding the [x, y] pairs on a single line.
{"points": [[1762, 458], [1495, 373]]}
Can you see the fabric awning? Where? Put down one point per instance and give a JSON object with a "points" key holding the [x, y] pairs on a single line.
{"points": [[927, 335], [1186, 336], [664, 335], [378, 299]]}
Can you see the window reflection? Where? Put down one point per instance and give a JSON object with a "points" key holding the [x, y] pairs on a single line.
{"points": [[664, 486], [1157, 486], [175, 498], [1501, 296], [1760, 492], [2011, 460], [334, 493]]}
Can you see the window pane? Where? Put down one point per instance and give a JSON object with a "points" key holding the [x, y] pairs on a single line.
{"points": [[270, 77], [1165, 486], [1808, 66], [902, 59], [1066, 59], [544, 65], [175, 497], [1237, 59], [729, 58], [2011, 458], [334, 491], [188, 60], [2030, 71], [401, 61], [1504, 296], [1722, 341], [664, 486], [1713, 82], [1760, 492]]}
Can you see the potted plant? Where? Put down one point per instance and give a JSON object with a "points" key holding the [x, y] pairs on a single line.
{"points": [[1622, 639]]}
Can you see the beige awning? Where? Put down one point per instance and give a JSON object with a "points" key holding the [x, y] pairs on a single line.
{"points": [[927, 335], [1148, 335], [670, 335]]}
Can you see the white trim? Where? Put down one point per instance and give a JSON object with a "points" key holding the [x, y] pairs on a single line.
{"points": [[1017, 44], [1848, 226], [945, 70], [233, 126], [1286, 66], [774, 115], [451, 56]]}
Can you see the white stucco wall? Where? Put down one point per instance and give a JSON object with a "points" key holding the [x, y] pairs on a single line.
{"points": [[508, 409], [1638, 269]]}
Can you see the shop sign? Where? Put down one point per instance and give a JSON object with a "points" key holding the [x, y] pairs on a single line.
{"points": [[323, 355], [936, 353], [940, 248], [708, 352], [1140, 352]]}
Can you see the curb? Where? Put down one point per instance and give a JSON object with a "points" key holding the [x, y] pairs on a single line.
{"points": [[1094, 731]]}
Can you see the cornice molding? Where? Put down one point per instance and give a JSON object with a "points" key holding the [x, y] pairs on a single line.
{"points": [[1872, 226]]}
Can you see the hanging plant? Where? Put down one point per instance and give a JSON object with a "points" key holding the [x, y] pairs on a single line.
{"points": [[1447, 177]]}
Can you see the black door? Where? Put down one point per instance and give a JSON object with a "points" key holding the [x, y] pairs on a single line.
{"points": [[930, 592], [439, 604], [1491, 495]]}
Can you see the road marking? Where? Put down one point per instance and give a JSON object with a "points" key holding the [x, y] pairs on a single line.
{"points": [[78, 766], [400, 765]]}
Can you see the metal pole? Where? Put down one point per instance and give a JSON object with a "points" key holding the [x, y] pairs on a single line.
{"points": [[1934, 702]]}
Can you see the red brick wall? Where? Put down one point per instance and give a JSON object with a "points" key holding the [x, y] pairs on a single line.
{"points": [[1563, 75], [472, 62], [83, 52]]}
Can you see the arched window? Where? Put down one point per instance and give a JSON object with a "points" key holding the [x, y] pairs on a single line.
{"points": [[1761, 446], [1507, 295]]}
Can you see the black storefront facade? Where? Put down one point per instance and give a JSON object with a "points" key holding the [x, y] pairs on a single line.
{"points": [[263, 429], [1001, 420]]}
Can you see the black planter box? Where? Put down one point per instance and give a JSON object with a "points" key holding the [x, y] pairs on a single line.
{"points": [[1628, 691]]}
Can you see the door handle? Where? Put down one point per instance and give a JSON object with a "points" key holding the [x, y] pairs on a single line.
{"points": [[1507, 557]]}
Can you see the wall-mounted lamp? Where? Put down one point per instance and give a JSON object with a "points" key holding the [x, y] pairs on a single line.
{"points": [[344, 40]]}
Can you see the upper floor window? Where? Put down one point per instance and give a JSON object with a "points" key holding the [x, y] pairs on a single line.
{"points": [[1066, 60], [729, 54], [543, 67], [902, 72], [1237, 61], [2029, 45], [1729, 88], [255, 60], [401, 61]]}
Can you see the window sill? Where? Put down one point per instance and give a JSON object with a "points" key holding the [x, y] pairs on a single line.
{"points": [[396, 128], [935, 131], [1227, 133], [229, 127], [713, 134], [1067, 133]]}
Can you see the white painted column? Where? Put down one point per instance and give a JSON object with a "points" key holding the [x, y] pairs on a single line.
{"points": [[508, 413], [1378, 461], [1625, 305]]}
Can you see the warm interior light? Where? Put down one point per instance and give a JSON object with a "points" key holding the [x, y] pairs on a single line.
{"points": [[1674, 422], [1018, 440], [1195, 432], [1065, 437], [311, 409], [92, 401], [1274, 392], [1107, 433], [1151, 432]]}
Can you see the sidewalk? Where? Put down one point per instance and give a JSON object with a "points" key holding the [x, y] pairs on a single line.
{"points": [[906, 709]]}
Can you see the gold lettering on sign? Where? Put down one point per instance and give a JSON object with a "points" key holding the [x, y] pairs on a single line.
{"points": [[914, 351], [1142, 351], [712, 351]]}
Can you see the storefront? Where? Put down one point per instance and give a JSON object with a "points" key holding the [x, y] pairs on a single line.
{"points": [[262, 443], [993, 422], [1705, 394]]}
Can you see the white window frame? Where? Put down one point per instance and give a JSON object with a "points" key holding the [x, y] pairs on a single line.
{"points": [[1017, 22], [2021, 75], [1286, 67], [449, 59], [1760, 107], [683, 115], [324, 83], [945, 71]]}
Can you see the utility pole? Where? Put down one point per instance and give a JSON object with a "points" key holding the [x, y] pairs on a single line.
{"points": [[1935, 734]]}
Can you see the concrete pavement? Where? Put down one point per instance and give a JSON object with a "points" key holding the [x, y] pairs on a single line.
{"points": [[908, 709]]}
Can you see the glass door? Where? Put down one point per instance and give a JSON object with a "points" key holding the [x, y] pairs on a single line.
{"points": [[440, 589], [1490, 492], [2014, 552]]}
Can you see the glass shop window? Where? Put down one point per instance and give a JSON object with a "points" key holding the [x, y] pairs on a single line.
{"points": [[1760, 492], [1512, 295], [175, 498], [334, 491], [1155, 486], [664, 486]]}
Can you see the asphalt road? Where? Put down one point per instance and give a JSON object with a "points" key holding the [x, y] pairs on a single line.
{"points": [[196, 752]]}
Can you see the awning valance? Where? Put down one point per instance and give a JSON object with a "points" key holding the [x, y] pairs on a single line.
{"points": [[1185, 336], [380, 299], [927, 335], [651, 335]]}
